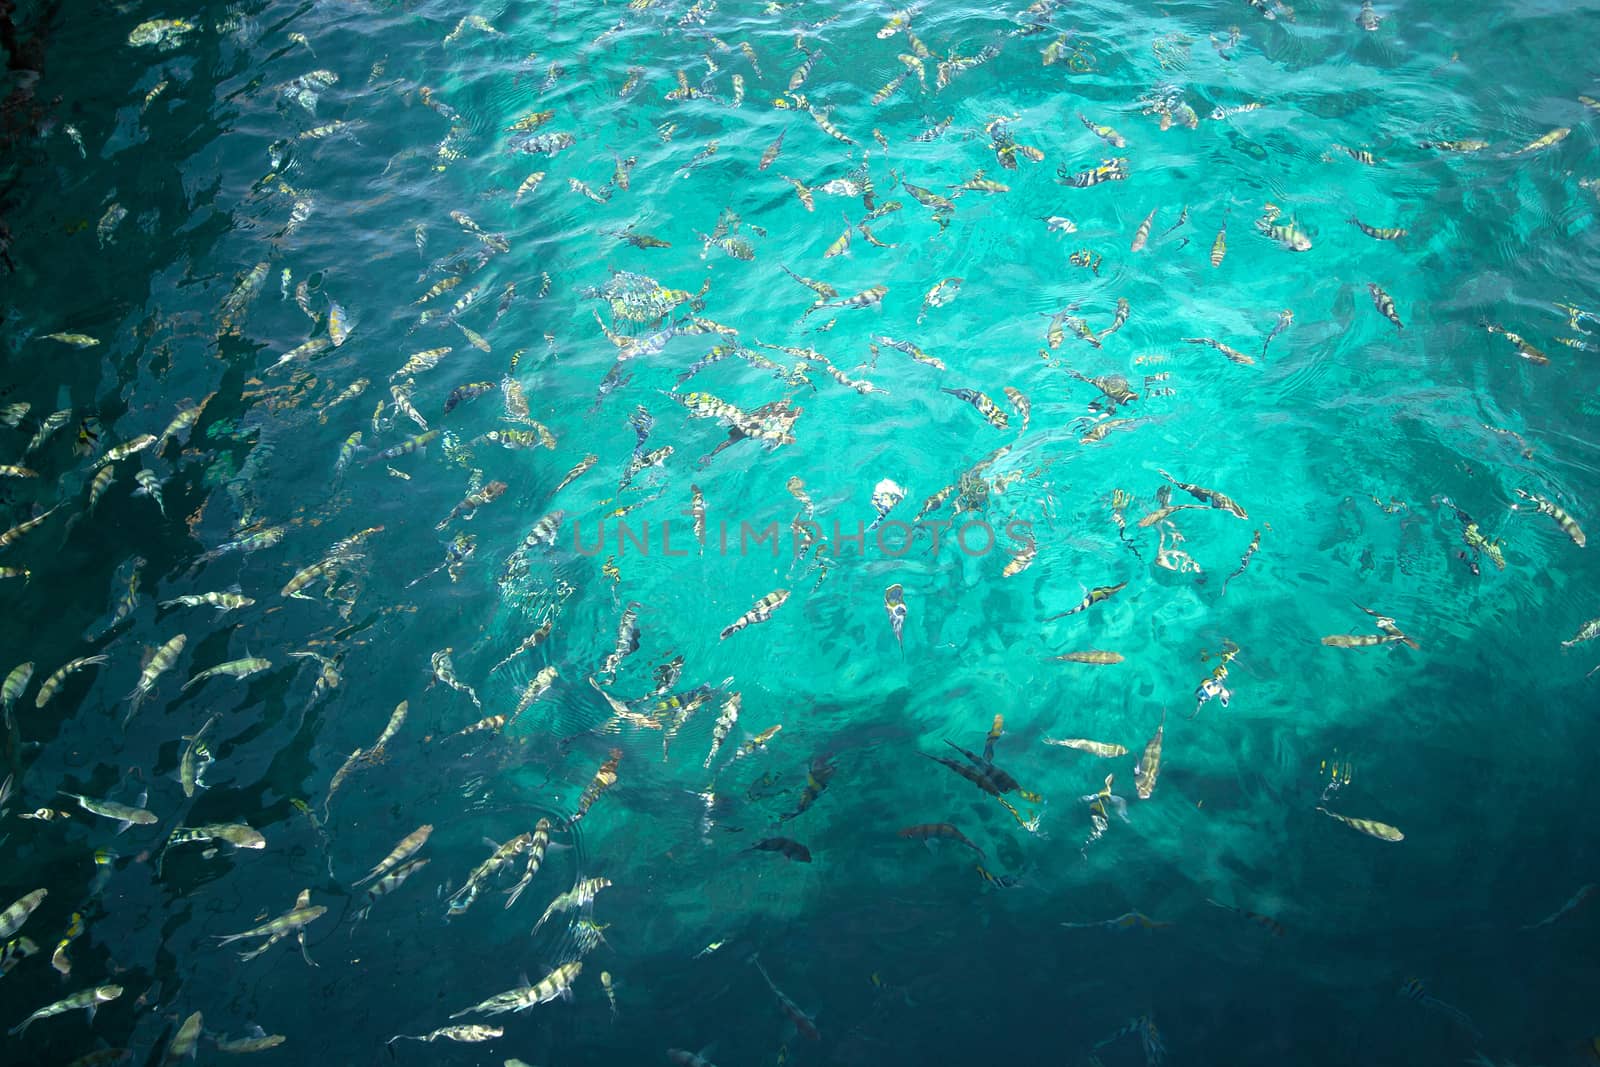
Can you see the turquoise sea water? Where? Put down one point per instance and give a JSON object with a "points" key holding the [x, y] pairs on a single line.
{"points": [[1359, 454]]}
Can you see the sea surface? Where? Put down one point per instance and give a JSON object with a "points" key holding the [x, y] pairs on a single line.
{"points": [[796, 394]]}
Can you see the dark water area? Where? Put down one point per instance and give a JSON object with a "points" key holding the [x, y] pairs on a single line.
{"points": [[725, 450]]}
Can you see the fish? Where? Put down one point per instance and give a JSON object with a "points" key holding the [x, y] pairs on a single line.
{"points": [[941, 294], [582, 893], [1266, 922], [1020, 560], [979, 184], [161, 661], [1118, 320], [89, 999], [408, 847], [726, 719], [469, 1033], [1217, 500], [293, 921], [76, 340], [1584, 893], [252, 542], [603, 780], [1142, 234], [444, 671], [1149, 768], [1285, 320], [1360, 155], [1127, 921], [13, 687], [1289, 235], [531, 122], [939, 831], [13, 918], [502, 855], [982, 404], [195, 759], [1370, 827], [1555, 135], [1095, 748], [106, 227], [418, 362], [1108, 170], [558, 983], [1219, 247], [53, 684], [149, 485], [1524, 349], [470, 391], [1385, 304], [528, 643], [802, 1022], [1545, 506], [1244, 561], [894, 603], [1233, 354], [1378, 233], [59, 959], [237, 834], [528, 186], [999, 881], [818, 774], [538, 841], [124, 814], [259, 1041], [388, 883], [469, 505], [1161, 514], [1413, 989], [761, 612], [885, 495], [790, 849], [310, 348], [1094, 656], [17, 949], [47, 429], [1587, 632], [537, 687], [1092, 597], [239, 668], [770, 154], [1454, 146]]}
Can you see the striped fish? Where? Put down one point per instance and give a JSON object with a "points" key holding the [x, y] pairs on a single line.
{"points": [[12, 918], [1378, 233], [558, 983], [1385, 304], [1370, 827], [1142, 234], [1568, 524], [760, 613]]}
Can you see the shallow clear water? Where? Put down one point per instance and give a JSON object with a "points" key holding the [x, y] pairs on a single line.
{"points": [[1358, 453]]}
